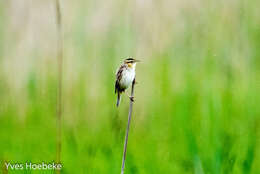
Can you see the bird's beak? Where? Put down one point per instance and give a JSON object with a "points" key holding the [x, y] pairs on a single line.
{"points": [[137, 60]]}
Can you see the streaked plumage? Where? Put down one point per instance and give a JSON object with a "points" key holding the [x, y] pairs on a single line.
{"points": [[124, 77]]}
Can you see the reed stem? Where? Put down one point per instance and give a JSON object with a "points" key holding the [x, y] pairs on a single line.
{"points": [[128, 127], [59, 88]]}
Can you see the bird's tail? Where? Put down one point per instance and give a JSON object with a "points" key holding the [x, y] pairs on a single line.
{"points": [[118, 99]]}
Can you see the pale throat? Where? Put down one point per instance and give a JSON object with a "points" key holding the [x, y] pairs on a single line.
{"points": [[131, 65]]}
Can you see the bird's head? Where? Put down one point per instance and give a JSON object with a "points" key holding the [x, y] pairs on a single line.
{"points": [[131, 62]]}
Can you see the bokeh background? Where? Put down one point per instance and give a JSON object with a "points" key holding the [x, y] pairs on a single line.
{"points": [[197, 98]]}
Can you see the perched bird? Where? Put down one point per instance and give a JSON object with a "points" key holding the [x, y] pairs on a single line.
{"points": [[124, 77]]}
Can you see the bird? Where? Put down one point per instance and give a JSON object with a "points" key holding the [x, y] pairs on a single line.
{"points": [[125, 76]]}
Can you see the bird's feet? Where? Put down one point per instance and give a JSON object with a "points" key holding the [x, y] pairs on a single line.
{"points": [[131, 98]]}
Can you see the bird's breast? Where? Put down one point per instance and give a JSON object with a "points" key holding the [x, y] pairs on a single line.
{"points": [[127, 78]]}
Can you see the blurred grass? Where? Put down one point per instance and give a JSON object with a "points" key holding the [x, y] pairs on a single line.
{"points": [[196, 108]]}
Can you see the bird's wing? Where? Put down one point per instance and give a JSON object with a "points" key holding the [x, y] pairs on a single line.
{"points": [[119, 77], [116, 86]]}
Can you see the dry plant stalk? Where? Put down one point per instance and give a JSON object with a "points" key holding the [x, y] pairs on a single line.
{"points": [[128, 126], [4, 169], [59, 88]]}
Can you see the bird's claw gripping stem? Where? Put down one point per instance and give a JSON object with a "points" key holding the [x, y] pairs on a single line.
{"points": [[131, 98]]}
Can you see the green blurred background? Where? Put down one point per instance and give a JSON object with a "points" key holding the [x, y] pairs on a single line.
{"points": [[197, 98]]}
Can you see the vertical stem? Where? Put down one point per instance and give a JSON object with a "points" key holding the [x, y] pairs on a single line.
{"points": [[128, 126], [4, 169], [59, 88]]}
